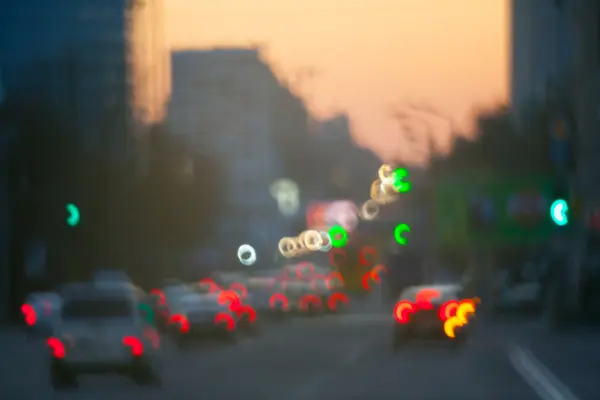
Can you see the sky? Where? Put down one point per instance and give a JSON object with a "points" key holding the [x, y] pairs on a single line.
{"points": [[369, 56]]}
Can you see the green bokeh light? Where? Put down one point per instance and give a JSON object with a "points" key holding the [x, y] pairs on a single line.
{"points": [[73, 216], [400, 185], [147, 312], [399, 231], [338, 235], [559, 212]]}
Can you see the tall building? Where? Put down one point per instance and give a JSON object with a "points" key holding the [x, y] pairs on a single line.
{"points": [[345, 169], [100, 65], [586, 15], [224, 101], [541, 49]]}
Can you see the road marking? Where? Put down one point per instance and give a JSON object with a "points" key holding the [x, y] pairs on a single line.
{"points": [[538, 376]]}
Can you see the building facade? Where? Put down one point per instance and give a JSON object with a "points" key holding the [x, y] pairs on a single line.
{"points": [[224, 101], [586, 14], [541, 42], [101, 65]]}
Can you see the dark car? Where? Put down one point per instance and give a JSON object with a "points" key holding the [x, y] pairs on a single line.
{"points": [[420, 313]]}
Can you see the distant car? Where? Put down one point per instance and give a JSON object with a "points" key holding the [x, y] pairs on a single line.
{"points": [[162, 299], [198, 313], [424, 320], [103, 329]]}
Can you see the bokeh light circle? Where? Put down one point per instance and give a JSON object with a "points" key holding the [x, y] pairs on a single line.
{"points": [[369, 210], [337, 257], [367, 256], [385, 172], [288, 247], [312, 240], [380, 196], [399, 232], [399, 183], [326, 244], [246, 254], [338, 235]]}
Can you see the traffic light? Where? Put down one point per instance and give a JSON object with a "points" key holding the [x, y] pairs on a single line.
{"points": [[559, 212], [73, 216], [560, 203]]}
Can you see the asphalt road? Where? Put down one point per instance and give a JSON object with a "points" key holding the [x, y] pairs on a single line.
{"points": [[345, 356]]}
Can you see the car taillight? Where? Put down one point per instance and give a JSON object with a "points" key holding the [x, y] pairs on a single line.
{"points": [[229, 298], [57, 346], [224, 318], [278, 298], [402, 311], [136, 345], [180, 319], [448, 310], [246, 310], [309, 299], [29, 314]]}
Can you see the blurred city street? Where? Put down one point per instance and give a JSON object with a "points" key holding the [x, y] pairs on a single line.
{"points": [[345, 356]]}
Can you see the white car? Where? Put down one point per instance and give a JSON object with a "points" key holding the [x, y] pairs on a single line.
{"points": [[103, 329]]}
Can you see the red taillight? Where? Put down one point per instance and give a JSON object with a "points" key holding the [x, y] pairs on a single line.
{"points": [[279, 298], [224, 318], [309, 299], [336, 298], [58, 348], [335, 275], [239, 289], [137, 348], [184, 325], [212, 286], [29, 314], [448, 310], [247, 310], [424, 297], [402, 311], [229, 298], [160, 295]]}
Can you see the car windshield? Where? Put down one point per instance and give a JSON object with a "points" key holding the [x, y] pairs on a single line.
{"points": [[97, 308]]}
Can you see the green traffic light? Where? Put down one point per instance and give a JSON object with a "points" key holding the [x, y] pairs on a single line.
{"points": [[73, 216], [559, 212]]}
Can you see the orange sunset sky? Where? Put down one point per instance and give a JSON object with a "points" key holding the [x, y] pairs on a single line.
{"points": [[368, 54]]}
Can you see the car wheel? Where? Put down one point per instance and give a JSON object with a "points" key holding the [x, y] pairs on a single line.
{"points": [[61, 378]]}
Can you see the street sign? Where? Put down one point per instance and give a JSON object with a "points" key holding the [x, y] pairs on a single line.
{"points": [[479, 211]]}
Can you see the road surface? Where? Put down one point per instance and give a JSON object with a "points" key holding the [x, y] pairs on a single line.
{"points": [[346, 356]]}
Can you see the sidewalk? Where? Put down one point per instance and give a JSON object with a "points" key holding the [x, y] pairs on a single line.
{"points": [[573, 356]]}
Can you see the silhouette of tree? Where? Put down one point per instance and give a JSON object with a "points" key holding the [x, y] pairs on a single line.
{"points": [[500, 145]]}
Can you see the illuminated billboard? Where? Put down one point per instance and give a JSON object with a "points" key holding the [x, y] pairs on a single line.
{"points": [[325, 214]]}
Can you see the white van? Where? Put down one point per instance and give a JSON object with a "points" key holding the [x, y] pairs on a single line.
{"points": [[103, 328]]}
